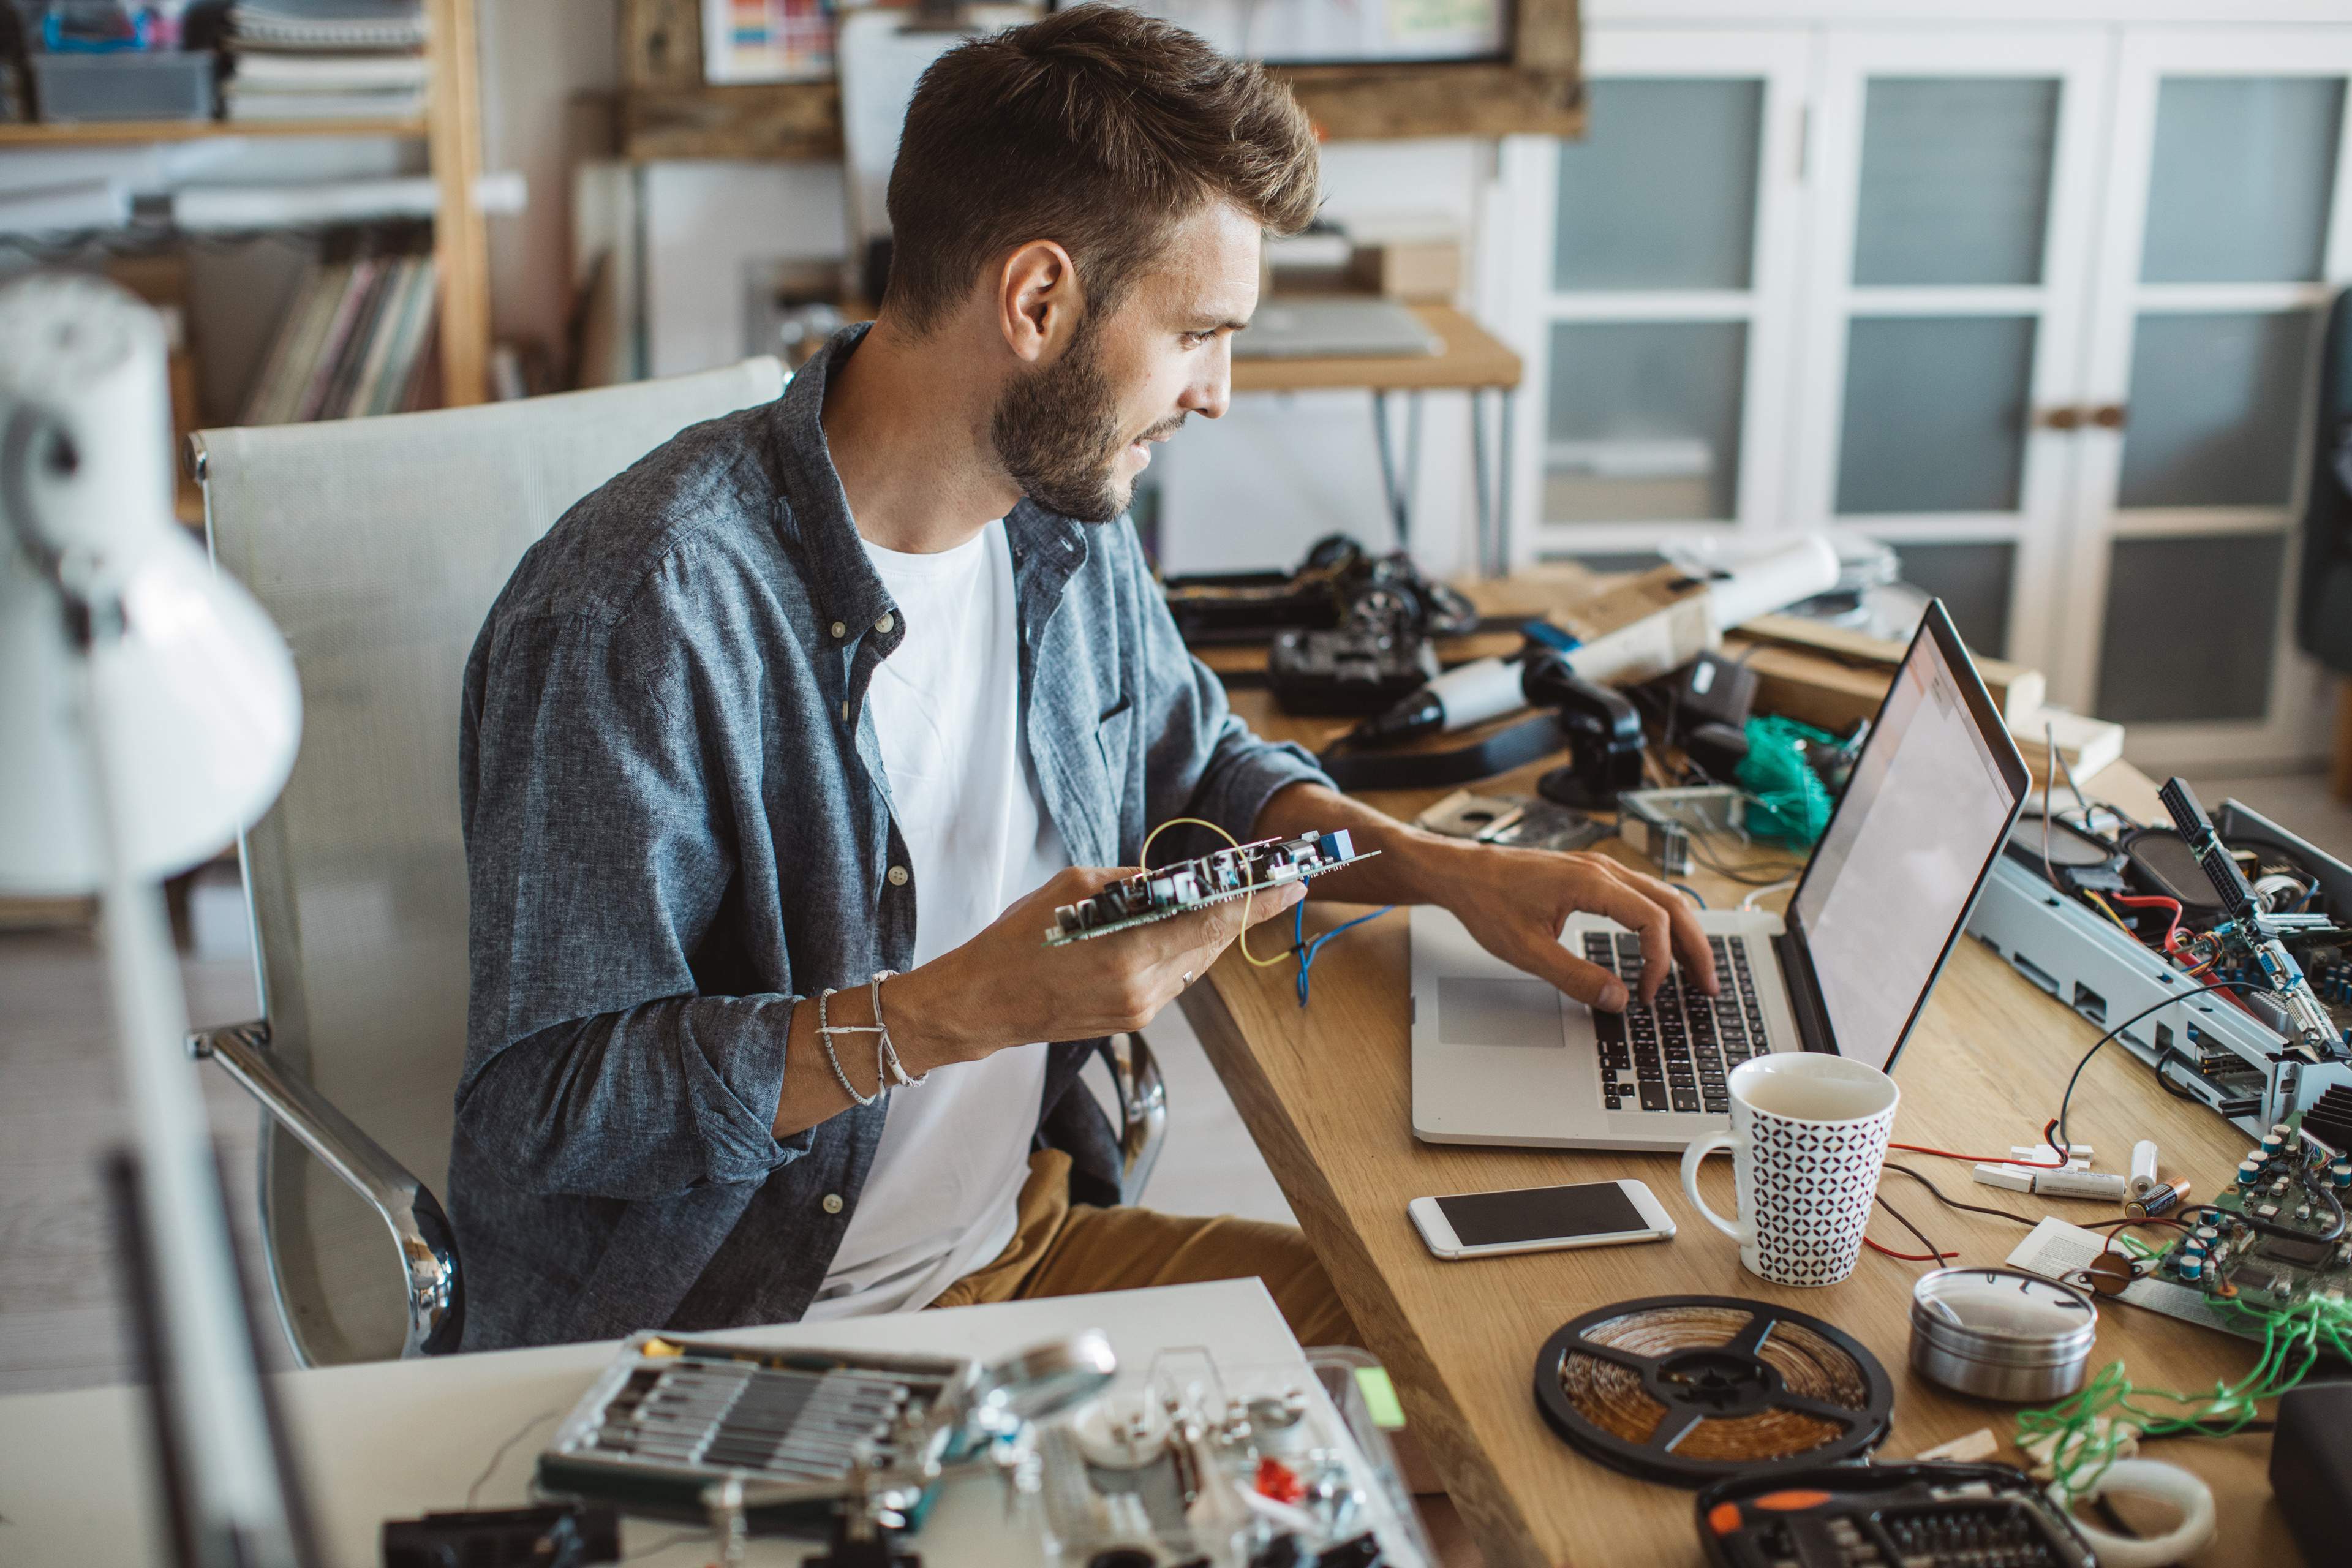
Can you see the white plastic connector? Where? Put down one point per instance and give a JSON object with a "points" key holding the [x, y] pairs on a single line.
{"points": [[2006, 1177]]}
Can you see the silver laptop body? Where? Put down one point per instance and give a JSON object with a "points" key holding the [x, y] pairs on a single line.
{"points": [[1499, 1057]]}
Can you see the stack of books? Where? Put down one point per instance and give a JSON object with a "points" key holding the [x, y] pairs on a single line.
{"points": [[326, 60], [357, 339]]}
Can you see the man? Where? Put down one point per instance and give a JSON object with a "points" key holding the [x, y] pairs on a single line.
{"points": [[866, 682]]}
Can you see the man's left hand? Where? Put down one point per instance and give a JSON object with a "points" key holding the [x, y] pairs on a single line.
{"points": [[1515, 902]]}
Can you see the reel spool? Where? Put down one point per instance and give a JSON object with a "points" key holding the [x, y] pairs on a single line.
{"points": [[1690, 1389]]}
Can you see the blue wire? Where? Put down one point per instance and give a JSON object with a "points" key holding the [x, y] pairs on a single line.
{"points": [[1686, 888], [1307, 950]]}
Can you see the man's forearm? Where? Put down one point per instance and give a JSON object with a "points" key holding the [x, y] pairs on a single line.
{"points": [[1413, 867]]}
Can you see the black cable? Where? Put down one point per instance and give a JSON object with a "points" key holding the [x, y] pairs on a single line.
{"points": [[490, 1470], [2067, 1098], [1936, 1254], [1952, 1203]]}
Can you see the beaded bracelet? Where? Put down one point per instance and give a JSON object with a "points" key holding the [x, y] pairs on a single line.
{"points": [[891, 1051], [825, 1031]]}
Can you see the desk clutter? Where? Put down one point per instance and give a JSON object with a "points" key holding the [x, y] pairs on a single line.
{"points": [[1193, 1464]]}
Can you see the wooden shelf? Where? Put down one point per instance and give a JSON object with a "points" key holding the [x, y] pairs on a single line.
{"points": [[667, 111], [132, 133]]}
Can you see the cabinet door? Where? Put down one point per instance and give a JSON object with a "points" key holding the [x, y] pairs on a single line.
{"points": [[1652, 294], [2226, 229], [1950, 237]]}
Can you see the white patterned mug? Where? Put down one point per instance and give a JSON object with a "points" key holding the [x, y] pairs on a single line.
{"points": [[1807, 1137]]}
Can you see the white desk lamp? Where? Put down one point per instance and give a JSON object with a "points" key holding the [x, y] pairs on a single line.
{"points": [[149, 711]]}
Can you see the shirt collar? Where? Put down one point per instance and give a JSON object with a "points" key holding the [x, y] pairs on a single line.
{"points": [[847, 588]]}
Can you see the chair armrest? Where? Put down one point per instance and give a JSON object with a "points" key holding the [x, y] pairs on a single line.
{"points": [[1143, 1110], [428, 1249]]}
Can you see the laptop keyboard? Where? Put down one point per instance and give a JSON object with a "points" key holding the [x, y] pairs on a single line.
{"points": [[1673, 1054]]}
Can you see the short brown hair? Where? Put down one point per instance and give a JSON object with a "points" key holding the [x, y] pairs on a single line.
{"points": [[1098, 128]]}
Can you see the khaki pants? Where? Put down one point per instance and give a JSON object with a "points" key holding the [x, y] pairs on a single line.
{"points": [[1074, 1249]]}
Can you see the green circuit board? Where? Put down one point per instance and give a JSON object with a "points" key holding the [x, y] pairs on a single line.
{"points": [[2263, 1243]]}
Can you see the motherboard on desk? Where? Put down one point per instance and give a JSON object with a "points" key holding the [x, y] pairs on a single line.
{"points": [[2274, 1240]]}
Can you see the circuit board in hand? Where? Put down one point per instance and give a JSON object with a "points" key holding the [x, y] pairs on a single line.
{"points": [[2265, 1243], [1188, 885]]}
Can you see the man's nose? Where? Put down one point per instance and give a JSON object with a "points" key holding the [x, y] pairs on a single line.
{"points": [[1212, 392]]}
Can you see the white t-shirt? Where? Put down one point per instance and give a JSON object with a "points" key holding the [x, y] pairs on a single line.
{"points": [[939, 1200]]}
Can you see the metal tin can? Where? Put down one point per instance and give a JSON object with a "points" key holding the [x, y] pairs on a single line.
{"points": [[2001, 1333]]}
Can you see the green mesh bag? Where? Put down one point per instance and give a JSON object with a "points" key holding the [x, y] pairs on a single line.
{"points": [[1786, 802]]}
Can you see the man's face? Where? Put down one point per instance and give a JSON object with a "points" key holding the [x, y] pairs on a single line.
{"points": [[1076, 432]]}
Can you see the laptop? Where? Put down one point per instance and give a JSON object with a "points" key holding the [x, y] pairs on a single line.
{"points": [[1501, 1058], [1334, 326]]}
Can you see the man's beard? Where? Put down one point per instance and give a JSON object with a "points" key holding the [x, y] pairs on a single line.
{"points": [[1057, 432]]}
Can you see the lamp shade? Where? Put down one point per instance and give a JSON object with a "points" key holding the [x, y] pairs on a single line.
{"points": [[116, 632]]}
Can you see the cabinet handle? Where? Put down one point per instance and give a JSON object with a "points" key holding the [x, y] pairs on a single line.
{"points": [[2059, 418], [2110, 416]]}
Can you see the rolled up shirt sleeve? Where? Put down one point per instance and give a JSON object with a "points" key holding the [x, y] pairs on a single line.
{"points": [[598, 860]]}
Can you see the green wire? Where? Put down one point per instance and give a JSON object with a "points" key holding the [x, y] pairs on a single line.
{"points": [[2292, 1341]]}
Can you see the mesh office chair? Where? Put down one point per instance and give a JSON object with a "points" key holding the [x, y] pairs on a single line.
{"points": [[378, 546]]}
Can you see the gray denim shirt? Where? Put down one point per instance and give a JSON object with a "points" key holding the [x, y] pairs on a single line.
{"points": [[677, 826]]}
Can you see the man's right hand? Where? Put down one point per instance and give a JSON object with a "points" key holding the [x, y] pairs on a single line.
{"points": [[1007, 987]]}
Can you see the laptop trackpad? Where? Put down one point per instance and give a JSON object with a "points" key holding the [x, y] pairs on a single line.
{"points": [[1497, 1013]]}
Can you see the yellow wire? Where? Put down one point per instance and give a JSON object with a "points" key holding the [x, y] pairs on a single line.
{"points": [[2111, 913], [1240, 941]]}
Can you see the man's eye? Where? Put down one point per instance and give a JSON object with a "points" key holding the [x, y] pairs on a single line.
{"points": [[1196, 340]]}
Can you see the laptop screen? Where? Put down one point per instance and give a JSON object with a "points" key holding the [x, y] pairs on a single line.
{"points": [[1932, 796]]}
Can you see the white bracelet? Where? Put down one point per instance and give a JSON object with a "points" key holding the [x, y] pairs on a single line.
{"points": [[889, 1050], [825, 1034]]}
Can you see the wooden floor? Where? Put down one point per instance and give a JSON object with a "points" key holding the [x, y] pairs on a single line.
{"points": [[60, 1111]]}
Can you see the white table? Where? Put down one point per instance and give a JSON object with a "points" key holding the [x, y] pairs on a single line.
{"points": [[394, 1439]]}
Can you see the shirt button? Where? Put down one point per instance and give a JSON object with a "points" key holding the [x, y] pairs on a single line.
{"points": [[832, 1202], [838, 629], [885, 624], [897, 876]]}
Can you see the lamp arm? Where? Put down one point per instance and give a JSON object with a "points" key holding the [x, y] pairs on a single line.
{"points": [[420, 1229]]}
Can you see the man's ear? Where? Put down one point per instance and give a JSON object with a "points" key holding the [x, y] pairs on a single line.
{"points": [[1038, 301]]}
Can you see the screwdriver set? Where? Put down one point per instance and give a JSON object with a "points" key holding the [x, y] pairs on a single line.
{"points": [[671, 1415]]}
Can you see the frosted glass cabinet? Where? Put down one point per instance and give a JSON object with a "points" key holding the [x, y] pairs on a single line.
{"points": [[2037, 304]]}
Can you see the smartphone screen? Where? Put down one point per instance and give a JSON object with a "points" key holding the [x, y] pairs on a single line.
{"points": [[1540, 1214]]}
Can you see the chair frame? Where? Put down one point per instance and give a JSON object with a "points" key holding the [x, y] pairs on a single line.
{"points": [[418, 1226]]}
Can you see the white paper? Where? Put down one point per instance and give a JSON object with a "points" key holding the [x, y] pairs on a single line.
{"points": [[2060, 1251]]}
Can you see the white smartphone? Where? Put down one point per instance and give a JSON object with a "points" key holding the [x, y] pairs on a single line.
{"points": [[1539, 1219]]}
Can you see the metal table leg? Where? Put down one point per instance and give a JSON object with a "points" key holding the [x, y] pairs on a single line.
{"points": [[1485, 554], [1394, 487], [1503, 473]]}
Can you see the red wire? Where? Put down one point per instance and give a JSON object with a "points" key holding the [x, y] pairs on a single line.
{"points": [[1906, 1257], [2048, 1128], [2154, 900]]}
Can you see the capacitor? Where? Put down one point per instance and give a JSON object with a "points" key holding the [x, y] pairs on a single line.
{"points": [[2272, 1141], [2190, 1265], [2250, 1170], [2143, 1167], [2190, 1243], [2210, 1235], [2340, 1172]]}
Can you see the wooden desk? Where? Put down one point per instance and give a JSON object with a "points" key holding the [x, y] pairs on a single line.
{"points": [[1473, 360], [1327, 1094]]}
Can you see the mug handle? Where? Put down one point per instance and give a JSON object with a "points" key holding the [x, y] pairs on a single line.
{"points": [[1693, 1157]]}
